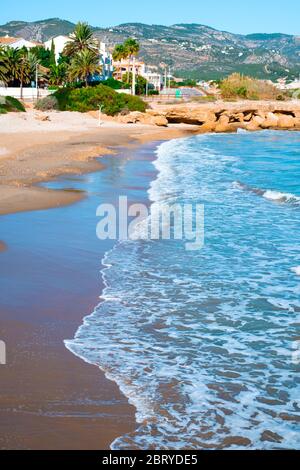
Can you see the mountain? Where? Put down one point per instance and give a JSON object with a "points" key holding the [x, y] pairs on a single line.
{"points": [[38, 31], [192, 50]]}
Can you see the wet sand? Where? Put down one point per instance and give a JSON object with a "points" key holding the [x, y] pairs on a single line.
{"points": [[49, 276]]}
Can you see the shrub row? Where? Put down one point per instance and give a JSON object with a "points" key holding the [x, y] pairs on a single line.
{"points": [[89, 99]]}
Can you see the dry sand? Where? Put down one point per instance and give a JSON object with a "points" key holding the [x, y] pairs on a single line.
{"points": [[34, 150]]}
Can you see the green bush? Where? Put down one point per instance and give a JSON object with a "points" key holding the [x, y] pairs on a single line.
{"points": [[115, 84], [47, 104], [240, 86], [10, 104], [89, 99]]}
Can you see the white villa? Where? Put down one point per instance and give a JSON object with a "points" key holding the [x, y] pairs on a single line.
{"points": [[17, 43], [59, 44], [150, 73]]}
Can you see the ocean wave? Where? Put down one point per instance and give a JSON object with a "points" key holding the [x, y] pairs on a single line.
{"points": [[271, 195], [200, 343]]}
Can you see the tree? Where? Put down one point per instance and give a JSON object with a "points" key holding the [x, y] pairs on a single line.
{"points": [[119, 52], [24, 72], [3, 67], [33, 62], [127, 50], [132, 47], [58, 74], [52, 60], [81, 39], [84, 64], [18, 66], [12, 59], [140, 85], [42, 54]]}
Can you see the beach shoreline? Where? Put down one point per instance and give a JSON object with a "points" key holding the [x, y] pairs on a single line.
{"points": [[69, 404], [63, 144]]}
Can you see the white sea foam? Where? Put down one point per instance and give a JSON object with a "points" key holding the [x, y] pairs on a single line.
{"points": [[281, 197], [296, 270]]}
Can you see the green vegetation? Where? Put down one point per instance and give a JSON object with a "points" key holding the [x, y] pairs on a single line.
{"points": [[115, 84], [129, 49], [58, 75], [140, 83], [3, 66], [18, 66], [209, 72], [10, 104], [240, 86], [89, 99], [52, 60], [43, 55], [187, 82], [84, 64], [81, 39]]}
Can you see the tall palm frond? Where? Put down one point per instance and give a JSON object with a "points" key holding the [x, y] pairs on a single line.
{"points": [[84, 64], [81, 39], [132, 47], [3, 67], [119, 53], [18, 66]]}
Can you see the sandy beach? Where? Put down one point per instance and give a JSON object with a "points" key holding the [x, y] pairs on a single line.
{"points": [[49, 398], [37, 147]]}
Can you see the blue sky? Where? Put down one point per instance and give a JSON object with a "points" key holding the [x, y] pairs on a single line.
{"points": [[237, 16]]}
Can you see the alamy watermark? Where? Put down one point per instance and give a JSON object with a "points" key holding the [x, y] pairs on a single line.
{"points": [[2, 353], [159, 222]]}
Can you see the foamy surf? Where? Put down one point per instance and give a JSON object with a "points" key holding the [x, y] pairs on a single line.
{"points": [[202, 343], [296, 270], [281, 197]]}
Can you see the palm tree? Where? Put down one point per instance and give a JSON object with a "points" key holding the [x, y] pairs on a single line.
{"points": [[81, 39], [3, 67], [84, 64], [119, 53], [57, 74], [23, 73], [12, 59], [132, 48], [18, 66]]}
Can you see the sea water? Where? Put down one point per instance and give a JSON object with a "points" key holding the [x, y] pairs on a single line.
{"points": [[205, 343]]}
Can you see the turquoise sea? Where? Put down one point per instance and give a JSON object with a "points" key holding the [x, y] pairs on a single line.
{"points": [[206, 343]]}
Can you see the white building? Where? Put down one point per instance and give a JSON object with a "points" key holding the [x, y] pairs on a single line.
{"points": [[153, 77], [59, 44], [17, 43], [106, 61]]}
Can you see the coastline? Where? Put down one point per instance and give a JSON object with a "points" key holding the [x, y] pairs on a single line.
{"points": [[95, 412], [66, 144], [69, 404]]}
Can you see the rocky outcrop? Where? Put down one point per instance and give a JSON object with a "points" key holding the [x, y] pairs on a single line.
{"points": [[151, 118], [229, 117]]}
